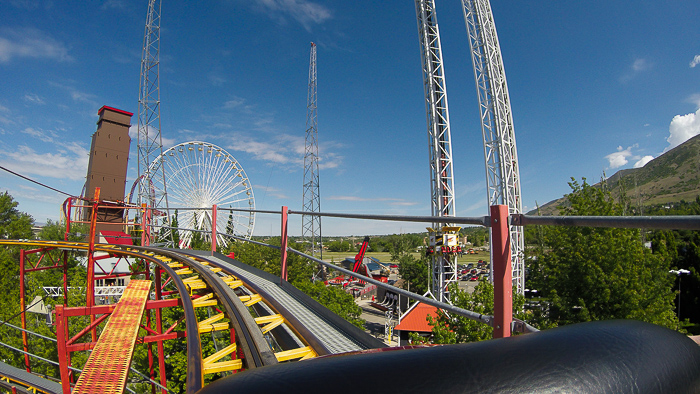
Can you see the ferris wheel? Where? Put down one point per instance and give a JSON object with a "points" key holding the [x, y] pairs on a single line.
{"points": [[197, 176]]}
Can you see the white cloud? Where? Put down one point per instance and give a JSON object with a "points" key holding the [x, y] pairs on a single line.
{"points": [[619, 158], [274, 192], [640, 65], [38, 134], [283, 149], [682, 128], [234, 103], [134, 134], [637, 67], [643, 161], [3, 119], [33, 98], [113, 4], [69, 162], [303, 11], [30, 43], [76, 94], [695, 61], [695, 99]]}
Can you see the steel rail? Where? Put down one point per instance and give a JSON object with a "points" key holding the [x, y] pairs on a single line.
{"points": [[293, 323], [254, 346], [690, 222], [194, 365], [475, 220]]}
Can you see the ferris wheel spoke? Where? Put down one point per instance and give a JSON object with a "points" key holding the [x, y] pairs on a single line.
{"points": [[199, 174]]}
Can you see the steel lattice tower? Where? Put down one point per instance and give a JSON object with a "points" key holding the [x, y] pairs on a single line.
{"points": [[444, 268], [311, 224], [502, 173], [150, 144]]}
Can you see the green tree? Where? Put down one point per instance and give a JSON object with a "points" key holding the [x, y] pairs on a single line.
{"points": [[451, 329], [414, 272], [13, 223], [176, 233], [589, 274]]}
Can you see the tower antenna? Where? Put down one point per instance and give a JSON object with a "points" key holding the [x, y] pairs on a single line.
{"points": [[444, 265], [311, 224], [150, 142]]}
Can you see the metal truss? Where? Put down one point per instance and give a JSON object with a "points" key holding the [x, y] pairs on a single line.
{"points": [[311, 224], [501, 156], [440, 143], [150, 142]]}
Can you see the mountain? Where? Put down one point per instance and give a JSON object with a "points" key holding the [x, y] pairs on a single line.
{"points": [[671, 177]]}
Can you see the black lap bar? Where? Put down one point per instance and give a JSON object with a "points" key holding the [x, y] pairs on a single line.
{"points": [[619, 356]]}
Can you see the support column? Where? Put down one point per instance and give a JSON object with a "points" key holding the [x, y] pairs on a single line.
{"points": [[22, 307], [159, 330], [61, 337], [90, 301], [283, 244], [213, 229], [501, 272]]}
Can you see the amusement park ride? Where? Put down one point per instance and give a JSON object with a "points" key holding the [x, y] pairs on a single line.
{"points": [[249, 331]]}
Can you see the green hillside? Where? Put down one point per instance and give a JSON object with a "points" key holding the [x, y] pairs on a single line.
{"points": [[671, 177]]}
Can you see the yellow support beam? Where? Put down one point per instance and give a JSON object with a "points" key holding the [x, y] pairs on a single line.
{"points": [[211, 364], [301, 353], [270, 322], [205, 300], [231, 365], [213, 327], [184, 271], [249, 300], [210, 324], [235, 283]]}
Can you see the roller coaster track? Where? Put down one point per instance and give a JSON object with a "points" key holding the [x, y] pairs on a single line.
{"points": [[269, 321]]}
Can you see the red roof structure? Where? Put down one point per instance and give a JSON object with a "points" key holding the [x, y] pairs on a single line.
{"points": [[117, 237], [416, 318]]}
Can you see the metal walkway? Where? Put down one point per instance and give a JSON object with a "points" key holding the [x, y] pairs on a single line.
{"points": [[330, 331], [108, 365]]}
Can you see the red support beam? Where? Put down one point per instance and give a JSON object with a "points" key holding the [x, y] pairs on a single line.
{"points": [[90, 301], [501, 272], [159, 329], [213, 229], [63, 355], [22, 307], [283, 243]]}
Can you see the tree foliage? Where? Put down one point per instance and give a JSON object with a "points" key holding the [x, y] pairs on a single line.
{"points": [[589, 274], [451, 329], [414, 272], [13, 223]]}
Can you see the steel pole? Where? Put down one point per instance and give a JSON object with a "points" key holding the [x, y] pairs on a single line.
{"points": [[501, 272]]}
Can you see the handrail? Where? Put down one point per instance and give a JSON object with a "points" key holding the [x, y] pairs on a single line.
{"points": [[688, 222]]}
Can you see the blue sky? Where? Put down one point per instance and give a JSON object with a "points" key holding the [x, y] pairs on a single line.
{"points": [[595, 87]]}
